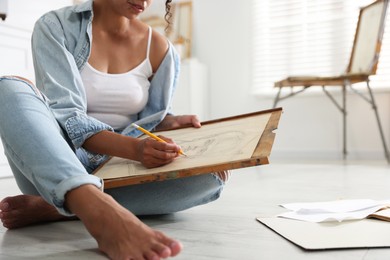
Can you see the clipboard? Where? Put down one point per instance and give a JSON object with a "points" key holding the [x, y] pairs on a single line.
{"points": [[259, 156]]}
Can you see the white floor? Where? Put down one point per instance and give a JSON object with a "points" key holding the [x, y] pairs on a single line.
{"points": [[225, 229]]}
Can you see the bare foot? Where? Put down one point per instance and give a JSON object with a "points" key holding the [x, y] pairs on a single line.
{"points": [[119, 233], [24, 210]]}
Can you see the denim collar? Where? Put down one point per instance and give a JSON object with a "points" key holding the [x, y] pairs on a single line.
{"points": [[84, 7]]}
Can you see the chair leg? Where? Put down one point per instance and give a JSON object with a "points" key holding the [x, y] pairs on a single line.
{"points": [[343, 109], [387, 156], [277, 98], [344, 112]]}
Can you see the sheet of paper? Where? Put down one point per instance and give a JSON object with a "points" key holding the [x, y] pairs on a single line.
{"points": [[212, 144], [338, 210]]}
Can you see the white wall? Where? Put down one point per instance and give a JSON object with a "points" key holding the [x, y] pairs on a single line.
{"points": [[311, 126], [15, 34]]}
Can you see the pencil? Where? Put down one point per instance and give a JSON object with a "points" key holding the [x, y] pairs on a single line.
{"points": [[155, 137]]}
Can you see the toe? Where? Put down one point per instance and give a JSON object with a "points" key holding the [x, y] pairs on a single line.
{"points": [[151, 256], [175, 247], [4, 205], [161, 250]]}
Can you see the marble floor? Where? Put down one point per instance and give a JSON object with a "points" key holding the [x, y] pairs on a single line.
{"points": [[225, 229]]}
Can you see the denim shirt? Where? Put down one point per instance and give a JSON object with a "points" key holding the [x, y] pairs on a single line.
{"points": [[61, 45]]}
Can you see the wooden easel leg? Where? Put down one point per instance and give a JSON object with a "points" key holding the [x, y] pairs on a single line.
{"points": [[373, 103]]}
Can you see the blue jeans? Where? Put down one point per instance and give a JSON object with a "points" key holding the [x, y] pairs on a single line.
{"points": [[44, 164]]}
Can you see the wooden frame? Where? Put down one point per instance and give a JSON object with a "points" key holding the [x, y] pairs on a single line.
{"points": [[260, 156], [364, 30], [182, 28]]}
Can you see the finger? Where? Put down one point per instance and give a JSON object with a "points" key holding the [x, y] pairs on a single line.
{"points": [[166, 139], [168, 146], [160, 150], [196, 122], [152, 162], [165, 155]]}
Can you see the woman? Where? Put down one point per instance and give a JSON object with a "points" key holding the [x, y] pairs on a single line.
{"points": [[98, 69]]}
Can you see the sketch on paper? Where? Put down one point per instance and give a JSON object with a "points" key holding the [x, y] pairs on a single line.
{"points": [[217, 143]]}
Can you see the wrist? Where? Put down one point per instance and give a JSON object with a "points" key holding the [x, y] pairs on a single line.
{"points": [[165, 123], [113, 144], [129, 148]]}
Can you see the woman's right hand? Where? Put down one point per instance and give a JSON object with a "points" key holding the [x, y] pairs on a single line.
{"points": [[152, 153], [149, 152]]}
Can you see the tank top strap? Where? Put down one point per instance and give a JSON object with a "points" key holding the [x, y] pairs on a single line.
{"points": [[149, 42]]}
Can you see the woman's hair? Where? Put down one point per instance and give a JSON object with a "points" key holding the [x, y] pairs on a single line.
{"points": [[168, 13]]}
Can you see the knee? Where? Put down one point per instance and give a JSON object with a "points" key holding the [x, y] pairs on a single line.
{"points": [[18, 78], [9, 80], [203, 188], [10, 85], [199, 190]]}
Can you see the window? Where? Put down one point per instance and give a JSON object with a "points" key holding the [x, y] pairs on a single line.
{"points": [[308, 37]]}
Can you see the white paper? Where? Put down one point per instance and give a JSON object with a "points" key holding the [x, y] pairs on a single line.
{"points": [[338, 210]]}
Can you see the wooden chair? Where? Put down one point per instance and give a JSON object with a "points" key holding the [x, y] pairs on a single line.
{"points": [[363, 63]]}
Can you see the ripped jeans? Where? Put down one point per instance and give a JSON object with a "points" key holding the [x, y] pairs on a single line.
{"points": [[44, 164]]}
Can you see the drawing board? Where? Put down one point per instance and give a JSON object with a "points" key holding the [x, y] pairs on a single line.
{"points": [[365, 233], [222, 144]]}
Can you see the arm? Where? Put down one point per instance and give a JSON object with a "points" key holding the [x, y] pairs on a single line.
{"points": [[159, 49], [148, 151]]}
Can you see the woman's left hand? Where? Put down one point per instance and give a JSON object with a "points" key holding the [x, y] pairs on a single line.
{"points": [[171, 122]]}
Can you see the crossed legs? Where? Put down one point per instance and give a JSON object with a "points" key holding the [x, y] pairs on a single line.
{"points": [[34, 145], [93, 207], [143, 199]]}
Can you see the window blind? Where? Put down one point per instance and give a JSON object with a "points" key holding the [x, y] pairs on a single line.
{"points": [[308, 37]]}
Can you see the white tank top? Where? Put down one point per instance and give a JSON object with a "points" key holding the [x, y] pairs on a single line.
{"points": [[113, 98]]}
